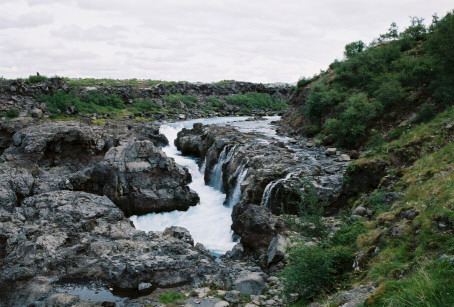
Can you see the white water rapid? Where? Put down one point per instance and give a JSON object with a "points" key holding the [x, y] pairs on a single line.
{"points": [[209, 222]]}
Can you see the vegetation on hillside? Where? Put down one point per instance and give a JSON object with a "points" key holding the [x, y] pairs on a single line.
{"points": [[97, 102], [375, 84], [405, 246]]}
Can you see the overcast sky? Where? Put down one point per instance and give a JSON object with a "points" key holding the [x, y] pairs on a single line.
{"points": [[193, 40]]}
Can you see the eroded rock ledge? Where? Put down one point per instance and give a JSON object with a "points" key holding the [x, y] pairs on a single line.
{"points": [[112, 160], [270, 173]]}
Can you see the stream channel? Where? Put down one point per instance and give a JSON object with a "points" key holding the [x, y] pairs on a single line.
{"points": [[209, 221]]}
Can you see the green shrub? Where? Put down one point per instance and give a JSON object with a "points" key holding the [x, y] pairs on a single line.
{"points": [[252, 100], [305, 81], [310, 212], [350, 128], [101, 99], [59, 101], [12, 113], [320, 99], [390, 94], [309, 271], [144, 105], [35, 79], [171, 298], [425, 114], [215, 102]]}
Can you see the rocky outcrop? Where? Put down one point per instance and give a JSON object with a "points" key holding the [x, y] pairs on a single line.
{"points": [[112, 160], [266, 173], [81, 235], [139, 178], [22, 96]]}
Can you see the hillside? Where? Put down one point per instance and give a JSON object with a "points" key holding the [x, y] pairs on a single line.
{"points": [[393, 102]]}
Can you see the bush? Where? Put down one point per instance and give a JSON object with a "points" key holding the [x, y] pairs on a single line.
{"points": [[309, 271], [12, 113], [320, 99], [425, 114], [144, 105], [252, 100], [390, 94], [35, 79], [101, 99], [215, 102], [350, 128], [59, 101], [305, 81], [310, 212]]}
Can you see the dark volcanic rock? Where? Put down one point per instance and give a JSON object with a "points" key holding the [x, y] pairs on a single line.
{"points": [[80, 235], [139, 178], [256, 225], [108, 160], [265, 172]]}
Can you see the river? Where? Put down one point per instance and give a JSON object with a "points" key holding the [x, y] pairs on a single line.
{"points": [[209, 222]]}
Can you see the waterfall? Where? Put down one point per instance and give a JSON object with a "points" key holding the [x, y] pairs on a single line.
{"points": [[236, 194], [216, 174], [203, 166], [269, 189]]}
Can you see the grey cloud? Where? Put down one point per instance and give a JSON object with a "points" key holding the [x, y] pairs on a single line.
{"points": [[28, 20], [97, 33]]}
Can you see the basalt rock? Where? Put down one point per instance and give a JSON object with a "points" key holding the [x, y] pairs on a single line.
{"points": [[115, 160], [265, 172], [139, 178], [79, 235]]}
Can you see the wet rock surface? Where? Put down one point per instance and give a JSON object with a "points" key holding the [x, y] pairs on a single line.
{"points": [[271, 171], [80, 235], [114, 161]]}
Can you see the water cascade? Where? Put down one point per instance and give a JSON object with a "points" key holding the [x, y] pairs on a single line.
{"points": [[235, 196], [267, 193], [216, 173], [209, 222]]}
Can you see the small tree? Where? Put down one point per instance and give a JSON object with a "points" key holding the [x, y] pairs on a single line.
{"points": [[353, 49]]}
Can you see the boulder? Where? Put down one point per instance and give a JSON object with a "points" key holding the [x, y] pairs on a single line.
{"points": [[330, 151], [256, 225], [250, 283], [360, 210], [36, 113], [276, 249], [139, 178], [233, 296]]}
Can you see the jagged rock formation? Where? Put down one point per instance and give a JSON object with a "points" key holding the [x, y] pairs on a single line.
{"points": [[267, 173], [109, 161]]}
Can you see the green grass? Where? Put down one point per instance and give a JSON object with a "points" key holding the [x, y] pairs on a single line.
{"points": [[431, 285], [35, 79], [171, 298], [254, 100]]}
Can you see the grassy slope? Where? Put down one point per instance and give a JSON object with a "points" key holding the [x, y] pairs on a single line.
{"points": [[369, 101]]}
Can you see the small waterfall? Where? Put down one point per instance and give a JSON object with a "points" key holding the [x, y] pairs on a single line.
{"points": [[216, 173], [203, 166], [236, 194], [269, 189]]}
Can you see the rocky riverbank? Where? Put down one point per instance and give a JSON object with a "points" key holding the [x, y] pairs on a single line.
{"points": [[66, 189], [267, 173]]}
